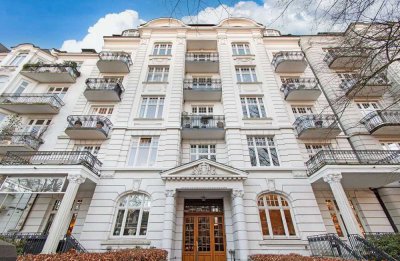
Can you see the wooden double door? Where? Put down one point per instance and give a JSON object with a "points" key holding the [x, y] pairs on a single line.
{"points": [[204, 237]]}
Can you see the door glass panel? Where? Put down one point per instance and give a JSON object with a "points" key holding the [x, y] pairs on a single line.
{"points": [[189, 234], [218, 234], [132, 219], [264, 224], [276, 222], [143, 226], [289, 222], [118, 222], [204, 239]]}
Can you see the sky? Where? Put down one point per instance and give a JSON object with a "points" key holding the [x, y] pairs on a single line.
{"points": [[74, 24]]}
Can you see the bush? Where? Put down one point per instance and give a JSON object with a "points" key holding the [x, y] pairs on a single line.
{"points": [[119, 255], [290, 257], [390, 243], [18, 243]]}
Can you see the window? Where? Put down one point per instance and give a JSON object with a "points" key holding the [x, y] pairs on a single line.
{"points": [[113, 79], [240, 48], [162, 49], [102, 110], [391, 145], [151, 107], [93, 149], [290, 79], [60, 91], [313, 149], [202, 82], [37, 126], [275, 215], [132, 215], [3, 81], [18, 59], [367, 107], [158, 74], [345, 76], [202, 152], [246, 74], [262, 151], [21, 87], [253, 107], [202, 110], [335, 216], [143, 151], [300, 111]]}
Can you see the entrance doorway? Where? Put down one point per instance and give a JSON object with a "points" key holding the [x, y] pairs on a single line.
{"points": [[204, 230]]}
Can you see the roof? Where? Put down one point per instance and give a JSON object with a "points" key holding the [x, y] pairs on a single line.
{"points": [[3, 49]]}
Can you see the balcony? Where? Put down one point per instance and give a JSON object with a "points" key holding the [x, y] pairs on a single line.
{"points": [[88, 127], [374, 87], [345, 58], [349, 157], [316, 127], [114, 62], [304, 89], [31, 103], [197, 62], [289, 62], [202, 91], [51, 73], [19, 141], [99, 89], [84, 158], [385, 122], [202, 127]]}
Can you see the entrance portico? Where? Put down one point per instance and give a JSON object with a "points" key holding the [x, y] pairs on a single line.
{"points": [[205, 182]]}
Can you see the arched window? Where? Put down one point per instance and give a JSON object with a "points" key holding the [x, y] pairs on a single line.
{"points": [[132, 215], [275, 215]]}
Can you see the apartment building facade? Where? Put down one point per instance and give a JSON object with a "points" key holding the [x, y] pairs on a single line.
{"points": [[209, 141]]}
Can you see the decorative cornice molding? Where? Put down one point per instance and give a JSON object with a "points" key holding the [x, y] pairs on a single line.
{"points": [[333, 178]]}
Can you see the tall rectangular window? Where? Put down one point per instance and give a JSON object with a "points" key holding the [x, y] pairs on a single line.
{"points": [[240, 48], [60, 91], [253, 107], [202, 151], [18, 59], [21, 87], [262, 151], [367, 107], [246, 74], [93, 149], [151, 107], [313, 149], [301, 110], [102, 110], [162, 49], [143, 151], [158, 74]]}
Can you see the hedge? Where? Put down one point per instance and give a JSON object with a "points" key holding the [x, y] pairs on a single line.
{"points": [[119, 255], [290, 257]]}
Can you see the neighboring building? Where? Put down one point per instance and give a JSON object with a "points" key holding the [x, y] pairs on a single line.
{"points": [[198, 139]]}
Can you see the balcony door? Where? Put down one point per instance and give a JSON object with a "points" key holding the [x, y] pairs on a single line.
{"points": [[203, 116], [204, 231], [37, 126], [202, 82]]}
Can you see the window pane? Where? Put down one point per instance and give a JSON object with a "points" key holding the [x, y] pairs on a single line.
{"points": [[143, 226], [253, 159], [263, 157], [131, 222], [274, 156], [276, 222], [118, 222], [289, 222], [264, 223], [142, 156], [153, 156]]}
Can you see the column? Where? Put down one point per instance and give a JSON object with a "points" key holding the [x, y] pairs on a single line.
{"points": [[342, 202], [168, 230], [60, 221], [239, 225]]}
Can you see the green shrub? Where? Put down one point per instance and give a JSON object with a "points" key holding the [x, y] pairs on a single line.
{"points": [[18, 243], [290, 257], [390, 243]]}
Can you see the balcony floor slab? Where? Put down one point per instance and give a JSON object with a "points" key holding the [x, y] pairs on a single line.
{"points": [[102, 95], [85, 133], [50, 77], [112, 66], [203, 133], [26, 108]]}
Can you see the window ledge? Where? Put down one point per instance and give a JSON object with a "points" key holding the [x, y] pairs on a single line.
{"points": [[126, 241], [282, 241], [148, 119], [258, 119], [243, 55], [146, 82], [248, 82], [160, 55]]}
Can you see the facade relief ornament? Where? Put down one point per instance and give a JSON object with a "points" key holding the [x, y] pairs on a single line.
{"points": [[170, 193], [237, 193], [76, 178], [136, 184], [333, 178], [271, 185], [204, 169]]}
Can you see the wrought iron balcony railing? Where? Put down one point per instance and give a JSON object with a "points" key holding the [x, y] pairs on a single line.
{"points": [[131, 33], [214, 84], [32, 98], [287, 56], [116, 56], [105, 84], [202, 57], [334, 53], [299, 84], [84, 158], [98, 122], [330, 245], [349, 157], [30, 139], [314, 121], [351, 83], [379, 118], [203, 121], [52, 68]]}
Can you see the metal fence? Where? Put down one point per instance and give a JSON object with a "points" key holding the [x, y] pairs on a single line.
{"points": [[299, 84], [202, 57], [367, 250], [105, 84], [287, 55], [213, 84], [99, 122], [331, 245], [203, 121], [51, 68], [29, 139], [32, 98], [334, 53], [116, 56], [314, 121], [376, 119]]}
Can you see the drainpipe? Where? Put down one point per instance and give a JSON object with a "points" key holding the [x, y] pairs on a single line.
{"points": [[385, 210]]}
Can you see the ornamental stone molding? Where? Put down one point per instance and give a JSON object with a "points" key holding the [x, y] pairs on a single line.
{"points": [[237, 193], [333, 178], [136, 184], [271, 184], [204, 169], [76, 178], [170, 193]]}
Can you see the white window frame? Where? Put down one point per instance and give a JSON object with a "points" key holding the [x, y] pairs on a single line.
{"points": [[154, 71], [209, 109], [59, 91], [37, 125], [251, 72], [18, 59], [237, 47], [136, 147], [92, 148], [367, 107], [268, 143], [143, 208], [104, 110], [195, 153], [247, 102], [22, 85], [158, 50], [145, 103], [314, 148], [202, 81], [282, 206], [390, 145], [299, 111], [3, 81]]}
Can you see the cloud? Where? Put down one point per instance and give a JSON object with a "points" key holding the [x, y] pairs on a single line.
{"points": [[296, 20], [107, 25]]}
